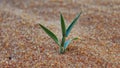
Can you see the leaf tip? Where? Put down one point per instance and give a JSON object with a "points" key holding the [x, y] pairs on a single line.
{"points": [[40, 25]]}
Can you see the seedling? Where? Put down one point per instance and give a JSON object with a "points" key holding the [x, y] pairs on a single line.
{"points": [[65, 32]]}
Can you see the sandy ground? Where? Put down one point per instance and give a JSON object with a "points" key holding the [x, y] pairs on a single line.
{"points": [[23, 44]]}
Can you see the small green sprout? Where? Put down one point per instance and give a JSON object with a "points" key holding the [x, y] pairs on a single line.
{"points": [[65, 32]]}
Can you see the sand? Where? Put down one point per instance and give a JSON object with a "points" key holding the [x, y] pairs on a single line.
{"points": [[23, 44]]}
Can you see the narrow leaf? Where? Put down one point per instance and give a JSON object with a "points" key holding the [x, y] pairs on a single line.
{"points": [[63, 25], [68, 42], [52, 35], [72, 24], [75, 38]]}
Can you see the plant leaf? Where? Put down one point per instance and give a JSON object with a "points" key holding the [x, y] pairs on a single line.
{"points": [[52, 35], [75, 38], [63, 25], [72, 24], [68, 42]]}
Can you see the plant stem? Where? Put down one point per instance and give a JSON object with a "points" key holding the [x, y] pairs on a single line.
{"points": [[62, 50], [63, 41]]}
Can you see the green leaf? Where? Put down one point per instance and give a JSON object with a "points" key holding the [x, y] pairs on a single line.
{"points": [[68, 42], [72, 24], [63, 25], [75, 38], [52, 35]]}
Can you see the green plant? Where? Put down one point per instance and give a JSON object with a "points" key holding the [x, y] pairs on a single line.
{"points": [[65, 32]]}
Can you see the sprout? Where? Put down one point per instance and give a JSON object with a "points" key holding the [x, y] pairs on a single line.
{"points": [[65, 32]]}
